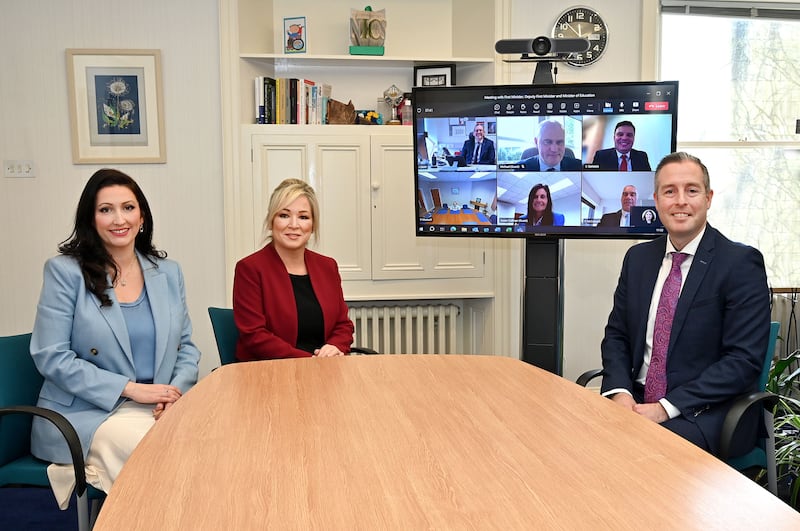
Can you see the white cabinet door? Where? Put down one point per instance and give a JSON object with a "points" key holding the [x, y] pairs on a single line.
{"points": [[397, 253], [338, 167], [365, 186]]}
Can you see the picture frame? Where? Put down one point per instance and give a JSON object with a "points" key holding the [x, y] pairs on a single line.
{"points": [[295, 35], [435, 75], [116, 106]]}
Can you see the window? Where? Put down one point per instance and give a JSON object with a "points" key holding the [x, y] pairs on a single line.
{"points": [[739, 101]]}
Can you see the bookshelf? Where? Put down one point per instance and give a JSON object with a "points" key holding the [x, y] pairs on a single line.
{"points": [[460, 32]]}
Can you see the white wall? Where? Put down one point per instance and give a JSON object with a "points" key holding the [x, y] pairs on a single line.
{"points": [[185, 193]]}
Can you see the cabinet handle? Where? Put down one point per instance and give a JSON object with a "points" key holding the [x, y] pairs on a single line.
{"points": [[376, 186]]}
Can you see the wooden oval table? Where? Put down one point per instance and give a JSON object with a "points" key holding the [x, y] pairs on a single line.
{"points": [[420, 442]]}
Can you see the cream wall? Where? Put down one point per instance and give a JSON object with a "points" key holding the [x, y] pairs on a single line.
{"points": [[185, 193]]}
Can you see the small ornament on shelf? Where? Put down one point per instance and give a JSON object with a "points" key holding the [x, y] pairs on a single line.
{"points": [[367, 31], [393, 96]]}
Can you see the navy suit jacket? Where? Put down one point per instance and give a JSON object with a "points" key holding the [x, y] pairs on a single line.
{"points": [[608, 160], [83, 350], [567, 164], [719, 332], [611, 219], [486, 156]]}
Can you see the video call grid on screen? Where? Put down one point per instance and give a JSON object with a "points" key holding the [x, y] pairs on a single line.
{"points": [[456, 196]]}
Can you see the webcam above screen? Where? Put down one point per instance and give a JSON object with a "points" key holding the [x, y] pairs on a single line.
{"points": [[541, 160]]}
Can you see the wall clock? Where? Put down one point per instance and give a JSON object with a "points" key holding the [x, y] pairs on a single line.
{"points": [[585, 23]]}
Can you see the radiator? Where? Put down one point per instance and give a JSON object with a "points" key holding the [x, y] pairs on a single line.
{"points": [[407, 329]]}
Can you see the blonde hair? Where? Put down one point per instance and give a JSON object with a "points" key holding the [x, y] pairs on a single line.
{"points": [[285, 194]]}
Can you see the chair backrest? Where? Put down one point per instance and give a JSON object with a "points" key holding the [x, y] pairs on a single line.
{"points": [[20, 383], [533, 151], [225, 332], [774, 328]]}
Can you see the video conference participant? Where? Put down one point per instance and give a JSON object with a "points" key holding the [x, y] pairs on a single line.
{"points": [[622, 157], [287, 299], [477, 148], [540, 208], [112, 336], [622, 217], [679, 351], [550, 143]]}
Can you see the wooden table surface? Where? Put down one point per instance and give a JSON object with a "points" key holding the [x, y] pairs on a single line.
{"points": [[420, 442]]}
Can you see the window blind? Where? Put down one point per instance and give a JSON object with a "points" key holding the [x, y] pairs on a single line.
{"points": [[766, 10]]}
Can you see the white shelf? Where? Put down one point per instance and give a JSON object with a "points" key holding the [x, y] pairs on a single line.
{"points": [[358, 60]]}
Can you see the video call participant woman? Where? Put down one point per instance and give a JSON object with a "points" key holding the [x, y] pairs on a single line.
{"points": [[287, 299], [112, 336], [540, 208]]}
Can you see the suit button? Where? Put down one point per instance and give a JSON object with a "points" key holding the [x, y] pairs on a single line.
{"points": [[94, 352]]}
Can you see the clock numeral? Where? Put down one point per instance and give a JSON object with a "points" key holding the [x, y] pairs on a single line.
{"points": [[580, 15], [598, 27]]}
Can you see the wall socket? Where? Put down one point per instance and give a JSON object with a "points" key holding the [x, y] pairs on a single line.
{"points": [[18, 168]]}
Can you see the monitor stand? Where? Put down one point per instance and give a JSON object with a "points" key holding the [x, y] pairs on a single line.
{"points": [[543, 308]]}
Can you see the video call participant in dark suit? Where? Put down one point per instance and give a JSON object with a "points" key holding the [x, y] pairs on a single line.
{"points": [[478, 149], [550, 143], [684, 375], [622, 217], [287, 299], [622, 157]]}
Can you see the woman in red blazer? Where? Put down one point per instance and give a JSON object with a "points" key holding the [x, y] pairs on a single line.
{"points": [[288, 300]]}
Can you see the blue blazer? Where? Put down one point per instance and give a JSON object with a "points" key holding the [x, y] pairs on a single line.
{"points": [[719, 332], [84, 352]]}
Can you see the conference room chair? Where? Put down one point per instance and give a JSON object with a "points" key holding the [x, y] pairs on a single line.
{"points": [[762, 456], [20, 383], [226, 334]]}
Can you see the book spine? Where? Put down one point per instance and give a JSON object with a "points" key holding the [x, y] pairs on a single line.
{"points": [[259, 93]]}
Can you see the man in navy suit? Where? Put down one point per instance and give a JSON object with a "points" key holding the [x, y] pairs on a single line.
{"points": [[611, 159], [478, 149], [550, 143], [716, 345], [622, 217]]}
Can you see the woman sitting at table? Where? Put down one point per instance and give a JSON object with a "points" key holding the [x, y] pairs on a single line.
{"points": [[287, 299], [112, 336]]}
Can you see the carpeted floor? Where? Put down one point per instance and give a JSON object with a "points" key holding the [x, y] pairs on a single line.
{"points": [[34, 509]]}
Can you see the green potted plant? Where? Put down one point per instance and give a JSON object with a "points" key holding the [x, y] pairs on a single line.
{"points": [[784, 381]]}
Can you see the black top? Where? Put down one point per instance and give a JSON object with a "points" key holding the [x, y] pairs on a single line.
{"points": [[310, 324]]}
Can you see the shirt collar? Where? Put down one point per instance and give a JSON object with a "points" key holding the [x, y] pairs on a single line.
{"points": [[691, 247]]}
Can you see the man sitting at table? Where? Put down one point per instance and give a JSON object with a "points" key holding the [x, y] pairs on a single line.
{"points": [[689, 327]]}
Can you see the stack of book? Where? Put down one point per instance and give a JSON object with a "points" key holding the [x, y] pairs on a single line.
{"points": [[291, 101]]}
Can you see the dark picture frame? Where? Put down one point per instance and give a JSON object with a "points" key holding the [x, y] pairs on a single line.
{"points": [[435, 75]]}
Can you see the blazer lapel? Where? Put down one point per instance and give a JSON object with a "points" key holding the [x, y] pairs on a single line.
{"points": [[116, 321], [156, 283], [698, 270], [649, 271]]}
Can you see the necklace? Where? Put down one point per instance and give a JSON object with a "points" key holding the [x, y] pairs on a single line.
{"points": [[124, 280]]}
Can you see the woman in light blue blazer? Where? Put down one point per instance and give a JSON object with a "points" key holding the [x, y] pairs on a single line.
{"points": [[112, 336]]}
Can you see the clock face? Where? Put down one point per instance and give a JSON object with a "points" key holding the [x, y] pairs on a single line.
{"points": [[584, 23]]}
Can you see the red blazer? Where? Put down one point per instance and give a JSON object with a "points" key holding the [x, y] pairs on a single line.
{"points": [[265, 311]]}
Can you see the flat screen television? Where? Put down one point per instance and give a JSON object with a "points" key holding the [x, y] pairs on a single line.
{"points": [[499, 187]]}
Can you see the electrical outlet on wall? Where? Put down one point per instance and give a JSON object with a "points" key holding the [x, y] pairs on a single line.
{"points": [[18, 168]]}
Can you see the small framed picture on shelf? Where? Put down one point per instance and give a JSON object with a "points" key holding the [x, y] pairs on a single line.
{"points": [[435, 75], [294, 31]]}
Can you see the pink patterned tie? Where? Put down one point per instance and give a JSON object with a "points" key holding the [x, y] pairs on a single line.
{"points": [[655, 384]]}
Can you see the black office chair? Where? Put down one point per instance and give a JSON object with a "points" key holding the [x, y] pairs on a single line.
{"points": [[20, 383], [763, 454], [226, 335]]}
